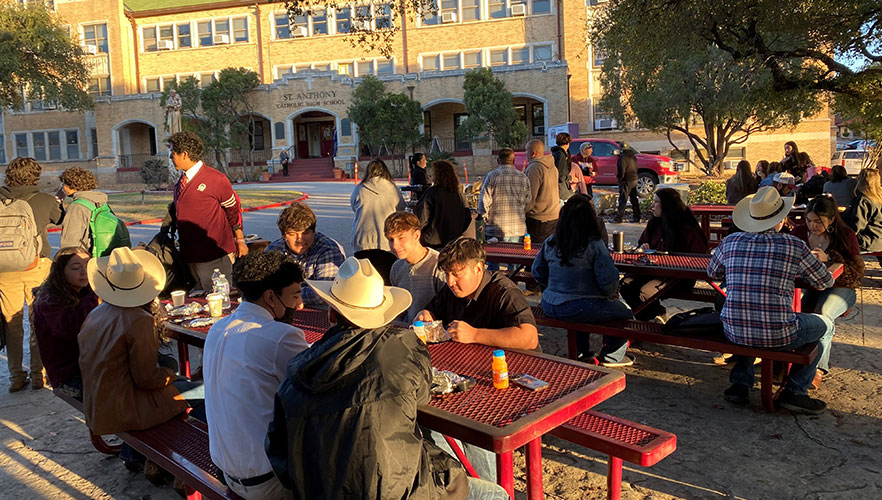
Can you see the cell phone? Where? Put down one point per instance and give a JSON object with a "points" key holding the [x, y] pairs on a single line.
{"points": [[529, 382]]}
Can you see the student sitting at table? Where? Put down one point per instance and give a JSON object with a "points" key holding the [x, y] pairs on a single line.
{"points": [[61, 304], [760, 266], [318, 255], [127, 386], [243, 365], [580, 282], [344, 421], [478, 305], [831, 241], [416, 269], [672, 228]]}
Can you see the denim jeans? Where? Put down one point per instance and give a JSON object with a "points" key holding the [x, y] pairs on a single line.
{"points": [[483, 461], [811, 328], [480, 489], [594, 310], [832, 303]]}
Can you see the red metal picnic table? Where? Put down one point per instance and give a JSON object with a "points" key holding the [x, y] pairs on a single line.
{"points": [[705, 212], [497, 420]]}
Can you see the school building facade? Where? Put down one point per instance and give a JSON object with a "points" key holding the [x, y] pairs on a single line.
{"points": [[308, 69]]}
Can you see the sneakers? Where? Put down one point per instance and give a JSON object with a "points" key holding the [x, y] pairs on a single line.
{"points": [[626, 361], [21, 384], [38, 382], [737, 394], [800, 403], [588, 358]]}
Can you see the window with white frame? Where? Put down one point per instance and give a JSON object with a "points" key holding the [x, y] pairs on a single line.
{"points": [[451, 61], [319, 22], [603, 120], [383, 16], [464, 11], [54, 140], [99, 86], [520, 55], [471, 60], [222, 31], [471, 10], [151, 85], [431, 63], [497, 9], [322, 67], [38, 140], [148, 35], [346, 68], [240, 30], [283, 28], [385, 67], [281, 71], [167, 81], [206, 79], [343, 18], [599, 56], [542, 52], [166, 37], [2, 149], [184, 41], [365, 68], [499, 57], [93, 135], [96, 35], [21, 145], [205, 32], [46, 145], [72, 139], [540, 7]]}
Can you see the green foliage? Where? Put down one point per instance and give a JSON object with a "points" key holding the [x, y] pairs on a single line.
{"points": [[684, 84], [440, 155], [384, 118], [491, 113], [708, 193], [37, 54], [155, 173], [863, 111]]}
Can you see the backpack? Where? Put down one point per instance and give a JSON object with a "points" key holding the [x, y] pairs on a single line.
{"points": [[108, 232], [178, 276], [20, 241], [694, 323]]}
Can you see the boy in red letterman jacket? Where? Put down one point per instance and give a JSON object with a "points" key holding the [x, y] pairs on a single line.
{"points": [[209, 216]]}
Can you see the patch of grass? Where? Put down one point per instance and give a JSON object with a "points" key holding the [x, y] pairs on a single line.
{"points": [[128, 206]]}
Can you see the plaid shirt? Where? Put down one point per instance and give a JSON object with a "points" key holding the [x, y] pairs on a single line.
{"points": [[759, 269], [320, 262], [504, 198]]}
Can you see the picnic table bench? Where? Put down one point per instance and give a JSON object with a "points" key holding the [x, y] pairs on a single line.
{"points": [[645, 331]]}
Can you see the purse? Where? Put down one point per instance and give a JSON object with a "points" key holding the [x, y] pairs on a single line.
{"points": [[850, 278], [695, 323]]}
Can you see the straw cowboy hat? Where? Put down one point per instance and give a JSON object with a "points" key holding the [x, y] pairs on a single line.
{"points": [[762, 211], [359, 295], [126, 277], [784, 178]]}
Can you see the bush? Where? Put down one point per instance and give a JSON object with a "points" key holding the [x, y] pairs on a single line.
{"points": [[155, 173], [708, 193]]}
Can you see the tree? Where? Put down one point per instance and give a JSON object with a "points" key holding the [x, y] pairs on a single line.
{"points": [[864, 112], [491, 114], [368, 27], [365, 112], [689, 86], [38, 56]]}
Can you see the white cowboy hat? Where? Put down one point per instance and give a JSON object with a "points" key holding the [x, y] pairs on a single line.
{"points": [[357, 293], [126, 277], [762, 211]]}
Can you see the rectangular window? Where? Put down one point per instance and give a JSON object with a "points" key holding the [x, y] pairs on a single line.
{"points": [[206, 79], [73, 144], [427, 123], [429, 18], [322, 67], [499, 57], [460, 143], [599, 56], [471, 10], [345, 69], [99, 86], [203, 28], [96, 34], [385, 67], [521, 110], [256, 137], [366, 68], [344, 20], [281, 71], [541, 6], [93, 133], [520, 56], [320, 22], [240, 30], [39, 141], [451, 61], [2, 149], [167, 82], [149, 35], [152, 85], [496, 9], [54, 145], [300, 25], [283, 30], [431, 63], [383, 16], [21, 145], [538, 118], [471, 60], [222, 27], [448, 6], [167, 34], [542, 53], [184, 36]]}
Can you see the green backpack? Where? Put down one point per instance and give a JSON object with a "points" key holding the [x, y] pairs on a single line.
{"points": [[108, 232]]}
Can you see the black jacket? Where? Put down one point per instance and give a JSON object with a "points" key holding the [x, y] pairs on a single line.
{"points": [[626, 168], [443, 215], [46, 210], [563, 162], [344, 423]]}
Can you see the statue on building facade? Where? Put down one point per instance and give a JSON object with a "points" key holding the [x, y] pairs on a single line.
{"points": [[173, 112]]}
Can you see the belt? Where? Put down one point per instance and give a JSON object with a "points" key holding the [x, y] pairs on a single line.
{"points": [[248, 481]]}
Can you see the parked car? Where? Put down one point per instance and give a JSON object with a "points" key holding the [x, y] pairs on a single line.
{"points": [[652, 170], [858, 144], [852, 159]]}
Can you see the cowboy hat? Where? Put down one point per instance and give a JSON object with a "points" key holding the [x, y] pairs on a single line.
{"points": [[126, 277], [762, 211], [357, 293], [784, 178]]}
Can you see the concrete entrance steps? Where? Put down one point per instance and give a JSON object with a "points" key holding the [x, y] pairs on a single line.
{"points": [[311, 169]]}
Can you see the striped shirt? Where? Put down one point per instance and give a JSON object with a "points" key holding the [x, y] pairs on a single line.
{"points": [[759, 269], [320, 262], [504, 198]]}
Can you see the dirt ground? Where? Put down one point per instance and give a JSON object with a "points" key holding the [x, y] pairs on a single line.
{"points": [[723, 451]]}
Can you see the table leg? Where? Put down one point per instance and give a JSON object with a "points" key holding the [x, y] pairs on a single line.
{"points": [[505, 472], [534, 470], [184, 358], [705, 225], [614, 478]]}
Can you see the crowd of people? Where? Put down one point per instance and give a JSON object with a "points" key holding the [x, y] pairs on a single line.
{"points": [[284, 416]]}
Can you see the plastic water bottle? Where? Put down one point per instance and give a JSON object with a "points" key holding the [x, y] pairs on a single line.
{"points": [[219, 284], [419, 329], [528, 242], [479, 228], [214, 276], [500, 370]]}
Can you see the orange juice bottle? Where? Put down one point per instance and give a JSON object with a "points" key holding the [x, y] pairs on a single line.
{"points": [[500, 370], [528, 242]]}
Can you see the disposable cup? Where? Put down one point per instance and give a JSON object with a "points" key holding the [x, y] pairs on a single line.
{"points": [[178, 297], [215, 304]]}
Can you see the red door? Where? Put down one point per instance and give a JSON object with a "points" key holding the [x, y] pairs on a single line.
{"points": [[302, 141]]}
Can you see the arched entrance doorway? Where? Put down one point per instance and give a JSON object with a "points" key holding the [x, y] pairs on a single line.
{"points": [[135, 143], [314, 135], [441, 119], [532, 113]]}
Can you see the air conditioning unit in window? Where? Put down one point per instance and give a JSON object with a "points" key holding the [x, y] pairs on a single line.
{"points": [[361, 25], [90, 49], [298, 31], [165, 45], [448, 17], [604, 124], [518, 9], [221, 39]]}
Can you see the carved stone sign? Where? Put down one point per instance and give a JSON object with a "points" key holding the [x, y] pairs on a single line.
{"points": [[310, 98]]}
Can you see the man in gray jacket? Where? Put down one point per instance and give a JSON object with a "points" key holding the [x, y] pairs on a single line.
{"points": [[544, 205], [79, 183]]}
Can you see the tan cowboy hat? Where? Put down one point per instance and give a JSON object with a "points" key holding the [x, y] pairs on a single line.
{"points": [[762, 211], [784, 178], [357, 293], [126, 277]]}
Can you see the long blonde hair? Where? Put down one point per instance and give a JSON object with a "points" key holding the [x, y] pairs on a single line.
{"points": [[869, 184]]}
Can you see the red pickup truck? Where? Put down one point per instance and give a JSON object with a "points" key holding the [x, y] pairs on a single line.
{"points": [[651, 169]]}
